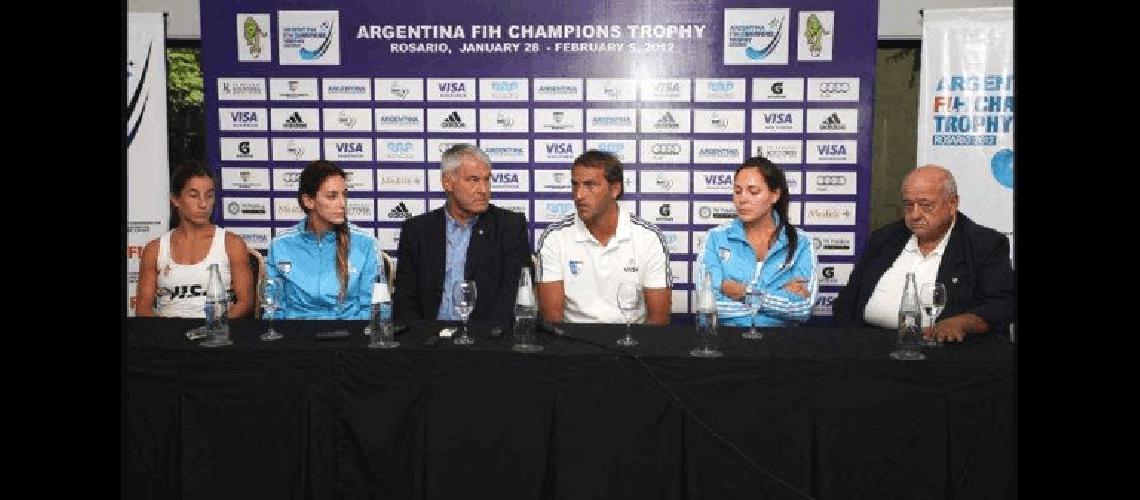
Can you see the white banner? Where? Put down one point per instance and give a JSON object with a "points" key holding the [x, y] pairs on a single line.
{"points": [[966, 101], [148, 170]]}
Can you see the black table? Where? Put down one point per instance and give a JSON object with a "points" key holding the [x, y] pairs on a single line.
{"points": [[819, 412]]}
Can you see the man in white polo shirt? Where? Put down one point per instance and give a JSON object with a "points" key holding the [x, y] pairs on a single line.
{"points": [[584, 256]]}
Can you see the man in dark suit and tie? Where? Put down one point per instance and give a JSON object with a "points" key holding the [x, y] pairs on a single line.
{"points": [[940, 245], [466, 239]]}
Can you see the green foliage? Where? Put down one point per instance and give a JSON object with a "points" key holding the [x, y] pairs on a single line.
{"points": [[185, 107]]}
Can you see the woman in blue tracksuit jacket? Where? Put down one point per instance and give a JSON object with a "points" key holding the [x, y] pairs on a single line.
{"points": [[327, 265], [760, 239]]}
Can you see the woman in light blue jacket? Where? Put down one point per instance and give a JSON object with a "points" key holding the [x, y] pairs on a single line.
{"points": [[326, 264], [760, 248]]}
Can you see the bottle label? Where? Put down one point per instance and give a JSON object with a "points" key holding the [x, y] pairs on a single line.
{"points": [[525, 297], [380, 292]]}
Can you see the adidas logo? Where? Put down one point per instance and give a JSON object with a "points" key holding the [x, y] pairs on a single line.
{"points": [[295, 121], [400, 212], [832, 123], [453, 121], [667, 122]]}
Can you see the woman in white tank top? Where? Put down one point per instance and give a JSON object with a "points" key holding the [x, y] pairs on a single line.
{"points": [[175, 267]]}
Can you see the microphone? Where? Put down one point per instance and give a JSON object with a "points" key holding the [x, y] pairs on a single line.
{"points": [[543, 326]]}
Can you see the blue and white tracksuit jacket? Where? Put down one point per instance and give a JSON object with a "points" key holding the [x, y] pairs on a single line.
{"points": [[728, 255], [310, 279]]}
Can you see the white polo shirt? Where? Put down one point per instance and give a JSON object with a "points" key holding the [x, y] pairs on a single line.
{"points": [[883, 305], [590, 272]]}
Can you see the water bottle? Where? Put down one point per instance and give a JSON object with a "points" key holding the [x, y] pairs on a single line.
{"points": [[215, 309], [706, 319], [526, 312], [380, 324], [910, 322]]}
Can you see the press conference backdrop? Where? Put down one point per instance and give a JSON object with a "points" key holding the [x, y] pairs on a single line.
{"points": [[681, 91]]}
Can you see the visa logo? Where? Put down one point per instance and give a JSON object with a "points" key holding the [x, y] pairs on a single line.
{"points": [[560, 148], [243, 116], [718, 179], [501, 177], [349, 147], [832, 149], [777, 118], [453, 87]]}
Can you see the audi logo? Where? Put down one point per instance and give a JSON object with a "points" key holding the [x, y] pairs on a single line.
{"points": [[666, 149], [834, 87], [831, 180]]}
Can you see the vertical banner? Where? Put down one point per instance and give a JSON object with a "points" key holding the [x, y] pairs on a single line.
{"points": [[148, 170], [681, 91], [965, 118]]}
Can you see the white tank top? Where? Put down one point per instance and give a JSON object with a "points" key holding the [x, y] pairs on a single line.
{"points": [[182, 287]]}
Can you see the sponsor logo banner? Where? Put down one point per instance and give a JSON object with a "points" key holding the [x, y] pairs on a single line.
{"points": [[664, 181], [833, 89], [831, 182], [242, 119], [558, 89], [625, 150], [504, 120], [611, 89], [664, 151], [399, 150], [399, 120], [285, 149], [241, 89], [347, 120], [829, 213], [398, 179], [293, 89], [346, 89], [244, 149], [724, 152], [718, 121], [557, 150], [777, 121], [247, 179], [451, 89], [504, 89], [777, 89], [399, 89], [246, 208], [506, 150], [719, 90]]}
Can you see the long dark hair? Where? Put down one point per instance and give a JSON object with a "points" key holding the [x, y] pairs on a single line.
{"points": [[186, 171], [775, 179], [311, 179]]}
